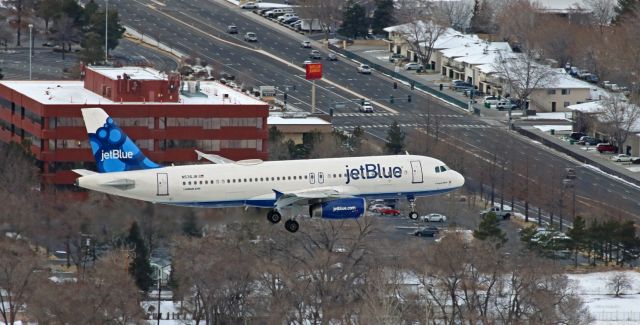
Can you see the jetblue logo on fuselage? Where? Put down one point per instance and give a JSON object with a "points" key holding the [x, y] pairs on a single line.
{"points": [[371, 171], [116, 154], [349, 208]]}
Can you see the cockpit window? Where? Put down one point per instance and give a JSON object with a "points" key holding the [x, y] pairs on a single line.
{"points": [[443, 168], [437, 169]]}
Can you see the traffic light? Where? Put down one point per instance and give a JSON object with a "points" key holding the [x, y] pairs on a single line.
{"points": [[408, 98], [391, 99], [395, 85]]}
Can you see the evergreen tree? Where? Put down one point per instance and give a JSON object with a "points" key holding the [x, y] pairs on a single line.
{"points": [[140, 267], [489, 228], [578, 234], [382, 16], [395, 139], [629, 243], [625, 7], [92, 50], [355, 141], [190, 226], [354, 22], [527, 234], [48, 10]]}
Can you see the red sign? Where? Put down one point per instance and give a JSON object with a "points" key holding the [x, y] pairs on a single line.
{"points": [[314, 71]]}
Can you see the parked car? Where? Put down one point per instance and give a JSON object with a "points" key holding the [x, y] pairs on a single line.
{"points": [[232, 29], [413, 66], [588, 140], [491, 100], [462, 86], [366, 107], [290, 20], [500, 213], [286, 16], [606, 147], [505, 103], [473, 93], [395, 57], [389, 211], [315, 54], [251, 37], [571, 173], [455, 82], [376, 206], [635, 161], [576, 135], [592, 78], [249, 5], [332, 57], [434, 217], [622, 158], [364, 69], [429, 231]]}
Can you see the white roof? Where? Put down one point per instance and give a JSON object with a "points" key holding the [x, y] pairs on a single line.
{"points": [[558, 128], [312, 120], [73, 92], [475, 48], [563, 5], [565, 80], [596, 107], [136, 73]]}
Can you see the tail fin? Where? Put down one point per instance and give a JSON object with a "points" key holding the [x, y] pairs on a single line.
{"points": [[113, 150]]}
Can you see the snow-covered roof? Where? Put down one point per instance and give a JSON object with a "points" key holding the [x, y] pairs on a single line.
{"points": [[595, 107], [73, 92], [311, 120], [475, 48], [136, 73], [566, 81], [555, 127], [561, 6]]}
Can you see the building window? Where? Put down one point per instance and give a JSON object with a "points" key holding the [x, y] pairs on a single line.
{"points": [[551, 91], [566, 91], [567, 104]]}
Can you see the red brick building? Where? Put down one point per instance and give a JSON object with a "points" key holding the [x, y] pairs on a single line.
{"points": [[168, 118]]}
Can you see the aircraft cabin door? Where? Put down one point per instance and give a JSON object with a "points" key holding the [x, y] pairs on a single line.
{"points": [[163, 184], [416, 172]]}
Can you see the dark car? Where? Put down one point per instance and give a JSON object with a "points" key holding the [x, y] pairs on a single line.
{"points": [[396, 57], [576, 135], [635, 161], [606, 147], [429, 231], [462, 86], [588, 140], [232, 29]]}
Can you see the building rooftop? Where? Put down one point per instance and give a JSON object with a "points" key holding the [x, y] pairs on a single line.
{"points": [[135, 73], [311, 120], [478, 47], [73, 92]]}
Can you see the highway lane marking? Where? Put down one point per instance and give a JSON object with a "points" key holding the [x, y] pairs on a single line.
{"points": [[265, 53]]}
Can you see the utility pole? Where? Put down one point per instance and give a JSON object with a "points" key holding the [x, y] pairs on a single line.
{"points": [[30, 47], [313, 96]]}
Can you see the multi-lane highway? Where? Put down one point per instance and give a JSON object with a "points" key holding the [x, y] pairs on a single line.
{"points": [[197, 27]]}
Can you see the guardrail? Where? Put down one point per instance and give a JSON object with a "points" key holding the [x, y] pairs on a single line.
{"points": [[452, 100]]}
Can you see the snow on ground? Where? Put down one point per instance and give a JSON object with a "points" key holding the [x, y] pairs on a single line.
{"points": [[604, 307]]}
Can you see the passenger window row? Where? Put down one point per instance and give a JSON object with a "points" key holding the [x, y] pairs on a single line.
{"points": [[255, 179]]}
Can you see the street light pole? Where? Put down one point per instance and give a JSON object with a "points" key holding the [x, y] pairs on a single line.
{"points": [[106, 31], [30, 47], [160, 268]]}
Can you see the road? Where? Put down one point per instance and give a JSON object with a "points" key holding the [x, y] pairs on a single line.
{"points": [[197, 27]]}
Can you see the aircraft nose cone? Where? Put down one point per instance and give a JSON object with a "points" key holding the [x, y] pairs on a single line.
{"points": [[458, 179]]}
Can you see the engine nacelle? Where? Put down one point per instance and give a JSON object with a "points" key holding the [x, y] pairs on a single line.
{"points": [[350, 208]]}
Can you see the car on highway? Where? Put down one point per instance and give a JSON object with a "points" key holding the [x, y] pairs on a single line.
{"points": [[305, 44], [622, 158], [429, 231], [249, 5], [366, 107], [315, 54], [332, 57], [389, 211], [304, 64], [251, 37], [413, 66], [434, 217], [395, 57], [364, 69], [232, 29], [606, 147]]}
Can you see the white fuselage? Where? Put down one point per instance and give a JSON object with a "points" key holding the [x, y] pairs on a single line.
{"points": [[253, 183]]}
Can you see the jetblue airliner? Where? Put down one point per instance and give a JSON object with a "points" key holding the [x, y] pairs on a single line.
{"points": [[334, 188]]}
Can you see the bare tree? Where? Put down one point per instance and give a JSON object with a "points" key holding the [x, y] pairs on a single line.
{"points": [[423, 28], [618, 118], [602, 12], [328, 12], [20, 9], [65, 32], [457, 13], [517, 22], [618, 283]]}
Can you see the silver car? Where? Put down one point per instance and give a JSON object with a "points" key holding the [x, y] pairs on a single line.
{"points": [[251, 37]]}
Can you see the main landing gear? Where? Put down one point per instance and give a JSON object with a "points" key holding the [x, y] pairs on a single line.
{"points": [[274, 217], [413, 215]]}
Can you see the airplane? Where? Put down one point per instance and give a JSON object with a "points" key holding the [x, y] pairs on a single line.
{"points": [[334, 188]]}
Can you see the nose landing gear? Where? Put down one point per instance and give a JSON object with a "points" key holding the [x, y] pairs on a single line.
{"points": [[413, 215]]}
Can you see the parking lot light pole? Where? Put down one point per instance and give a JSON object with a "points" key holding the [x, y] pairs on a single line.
{"points": [[106, 31], [30, 47]]}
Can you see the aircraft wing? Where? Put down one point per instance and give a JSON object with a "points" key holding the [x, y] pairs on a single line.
{"points": [[319, 194], [213, 158]]}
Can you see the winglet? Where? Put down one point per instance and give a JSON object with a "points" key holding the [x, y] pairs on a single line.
{"points": [[278, 194]]}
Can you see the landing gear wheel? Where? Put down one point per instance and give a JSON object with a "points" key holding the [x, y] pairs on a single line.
{"points": [[291, 225], [413, 215], [274, 216]]}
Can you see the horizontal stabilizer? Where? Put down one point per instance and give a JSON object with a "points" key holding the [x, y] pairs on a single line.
{"points": [[213, 158], [83, 172], [122, 183]]}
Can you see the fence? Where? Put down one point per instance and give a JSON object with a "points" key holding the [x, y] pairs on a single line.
{"points": [[396, 75], [616, 316]]}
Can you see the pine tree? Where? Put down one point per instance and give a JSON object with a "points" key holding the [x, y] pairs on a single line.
{"points": [[395, 139], [140, 267], [354, 22], [190, 226], [382, 16], [625, 7], [489, 228], [578, 234]]}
